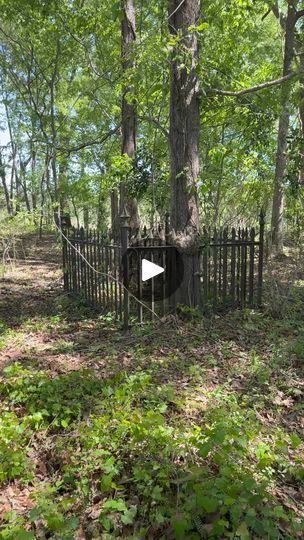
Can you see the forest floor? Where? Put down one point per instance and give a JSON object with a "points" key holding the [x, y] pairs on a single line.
{"points": [[179, 430]]}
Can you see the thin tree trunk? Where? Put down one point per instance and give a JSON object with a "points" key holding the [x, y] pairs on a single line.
{"points": [[25, 192], [219, 182], [12, 184], [102, 221], [5, 188], [128, 37], [114, 215], [52, 85], [184, 136], [75, 212], [21, 179], [301, 116], [33, 182], [281, 155], [44, 180], [42, 191], [17, 193], [63, 201], [14, 172], [54, 159], [47, 176], [86, 218]]}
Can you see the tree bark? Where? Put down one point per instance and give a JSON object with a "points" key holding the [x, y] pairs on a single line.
{"points": [[21, 179], [114, 215], [44, 180], [5, 188], [14, 188], [86, 218], [62, 179], [301, 116], [52, 87], [34, 192], [128, 147], [22, 184], [281, 155], [184, 136], [184, 117], [75, 212]]}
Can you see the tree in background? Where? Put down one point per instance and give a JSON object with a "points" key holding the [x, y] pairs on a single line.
{"points": [[63, 76], [288, 24], [128, 149]]}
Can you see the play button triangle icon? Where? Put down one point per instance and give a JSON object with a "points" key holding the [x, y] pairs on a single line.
{"points": [[150, 270]]}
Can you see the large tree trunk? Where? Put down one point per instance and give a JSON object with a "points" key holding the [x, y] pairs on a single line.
{"points": [[128, 147], [281, 155], [184, 137]]}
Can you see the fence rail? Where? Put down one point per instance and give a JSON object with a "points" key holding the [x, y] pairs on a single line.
{"points": [[227, 271]]}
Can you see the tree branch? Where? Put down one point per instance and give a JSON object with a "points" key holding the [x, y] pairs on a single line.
{"points": [[266, 14], [92, 142], [277, 13], [256, 88], [299, 14], [155, 122]]}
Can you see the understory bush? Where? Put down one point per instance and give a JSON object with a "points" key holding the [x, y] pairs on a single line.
{"points": [[120, 454]]}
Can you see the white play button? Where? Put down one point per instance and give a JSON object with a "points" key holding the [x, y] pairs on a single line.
{"points": [[150, 270]]}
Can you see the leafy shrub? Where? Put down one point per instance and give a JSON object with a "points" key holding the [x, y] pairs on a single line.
{"points": [[14, 435], [123, 441], [60, 400], [297, 347]]}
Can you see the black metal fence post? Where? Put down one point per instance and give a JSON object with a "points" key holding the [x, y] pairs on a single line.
{"points": [[82, 262], [64, 263], [124, 236], [73, 261], [167, 226], [196, 279]]}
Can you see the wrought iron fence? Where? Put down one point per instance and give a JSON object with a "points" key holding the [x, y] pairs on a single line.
{"points": [[231, 267], [92, 269], [227, 271]]}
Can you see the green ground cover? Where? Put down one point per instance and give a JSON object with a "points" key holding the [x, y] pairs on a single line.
{"points": [[178, 430]]}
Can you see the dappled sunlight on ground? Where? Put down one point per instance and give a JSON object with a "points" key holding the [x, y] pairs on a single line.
{"points": [[194, 427]]}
